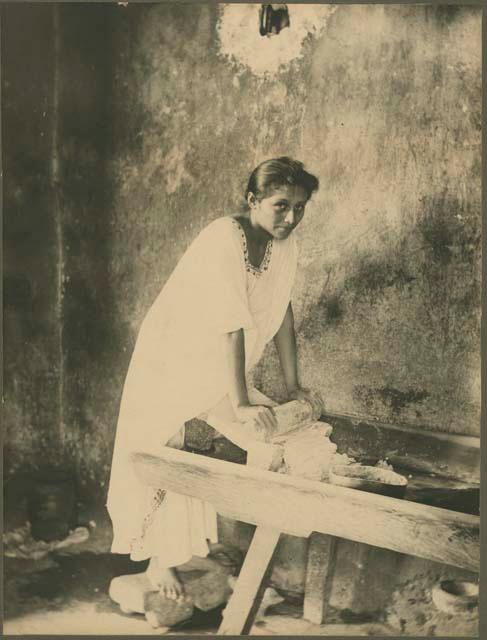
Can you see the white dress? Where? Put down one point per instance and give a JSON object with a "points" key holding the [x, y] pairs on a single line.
{"points": [[178, 371]]}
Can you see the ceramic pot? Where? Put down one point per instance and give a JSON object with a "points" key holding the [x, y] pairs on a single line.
{"points": [[455, 596]]}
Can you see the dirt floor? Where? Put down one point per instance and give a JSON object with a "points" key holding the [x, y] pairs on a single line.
{"points": [[66, 592]]}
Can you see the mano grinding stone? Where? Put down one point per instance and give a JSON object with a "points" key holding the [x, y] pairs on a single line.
{"points": [[204, 589], [207, 590], [198, 435]]}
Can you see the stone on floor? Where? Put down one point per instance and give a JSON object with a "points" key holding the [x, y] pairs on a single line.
{"points": [[209, 590], [206, 586]]}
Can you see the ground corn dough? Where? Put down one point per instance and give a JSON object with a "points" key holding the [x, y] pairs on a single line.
{"points": [[306, 452]]}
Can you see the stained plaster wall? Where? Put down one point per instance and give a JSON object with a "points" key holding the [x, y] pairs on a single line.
{"points": [[31, 257], [127, 129], [157, 126], [388, 293], [59, 328], [384, 105]]}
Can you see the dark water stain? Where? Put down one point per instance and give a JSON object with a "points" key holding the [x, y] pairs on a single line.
{"points": [[448, 225], [394, 399], [437, 233], [87, 333], [91, 346], [402, 52], [401, 87], [449, 232], [185, 20], [334, 309], [445, 14], [398, 400], [17, 292], [368, 279], [371, 276], [437, 72]]}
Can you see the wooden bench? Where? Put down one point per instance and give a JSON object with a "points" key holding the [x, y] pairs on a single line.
{"points": [[278, 504]]}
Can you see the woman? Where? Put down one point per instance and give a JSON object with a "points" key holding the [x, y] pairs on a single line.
{"points": [[228, 296]]}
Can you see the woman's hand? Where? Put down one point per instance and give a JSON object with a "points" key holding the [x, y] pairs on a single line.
{"points": [[313, 397], [260, 417]]}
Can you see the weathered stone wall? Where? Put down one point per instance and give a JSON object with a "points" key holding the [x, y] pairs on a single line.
{"points": [[388, 293], [159, 120], [31, 258], [127, 129], [384, 105]]}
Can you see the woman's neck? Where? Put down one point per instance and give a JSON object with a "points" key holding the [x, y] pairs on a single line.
{"points": [[257, 234]]}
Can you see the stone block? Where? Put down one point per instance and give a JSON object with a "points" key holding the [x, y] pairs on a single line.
{"points": [[207, 590], [206, 586], [198, 435]]}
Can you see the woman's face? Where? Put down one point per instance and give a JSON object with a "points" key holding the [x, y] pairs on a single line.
{"points": [[280, 212]]}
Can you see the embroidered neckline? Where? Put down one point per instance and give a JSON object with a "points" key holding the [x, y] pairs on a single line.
{"points": [[264, 265]]}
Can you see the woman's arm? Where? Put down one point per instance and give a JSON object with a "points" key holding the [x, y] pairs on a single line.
{"points": [[235, 356], [285, 341], [262, 417]]}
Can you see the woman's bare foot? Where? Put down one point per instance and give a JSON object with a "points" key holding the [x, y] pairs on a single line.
{"points": [[166, 581]]}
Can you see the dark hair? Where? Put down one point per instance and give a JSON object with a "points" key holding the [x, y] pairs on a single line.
{"points": [[277, 172]]}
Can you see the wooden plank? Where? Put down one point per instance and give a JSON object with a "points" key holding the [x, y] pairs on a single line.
{"points": [[239, 614], [299, 506], [320, 570]]}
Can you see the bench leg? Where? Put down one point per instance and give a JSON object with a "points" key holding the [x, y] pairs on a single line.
{"points": [[240, 612], [319, 576]]}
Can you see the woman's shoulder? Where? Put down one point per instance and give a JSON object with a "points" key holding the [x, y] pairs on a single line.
{"points": [[218, 237], [223, 226], [228, 221]]}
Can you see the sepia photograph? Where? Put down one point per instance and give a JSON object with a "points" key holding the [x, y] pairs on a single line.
{"points": [[242, 283]]}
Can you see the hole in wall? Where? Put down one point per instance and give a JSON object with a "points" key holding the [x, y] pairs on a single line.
{"points": [[241, 44], [273, 19]]}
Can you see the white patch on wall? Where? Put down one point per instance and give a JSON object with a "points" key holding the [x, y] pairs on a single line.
{"points": [[174, 167], [241, 43]]}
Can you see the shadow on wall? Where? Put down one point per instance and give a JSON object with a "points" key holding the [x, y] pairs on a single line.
{"points": [[417, 299], [387, 330], [440, 253]]}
